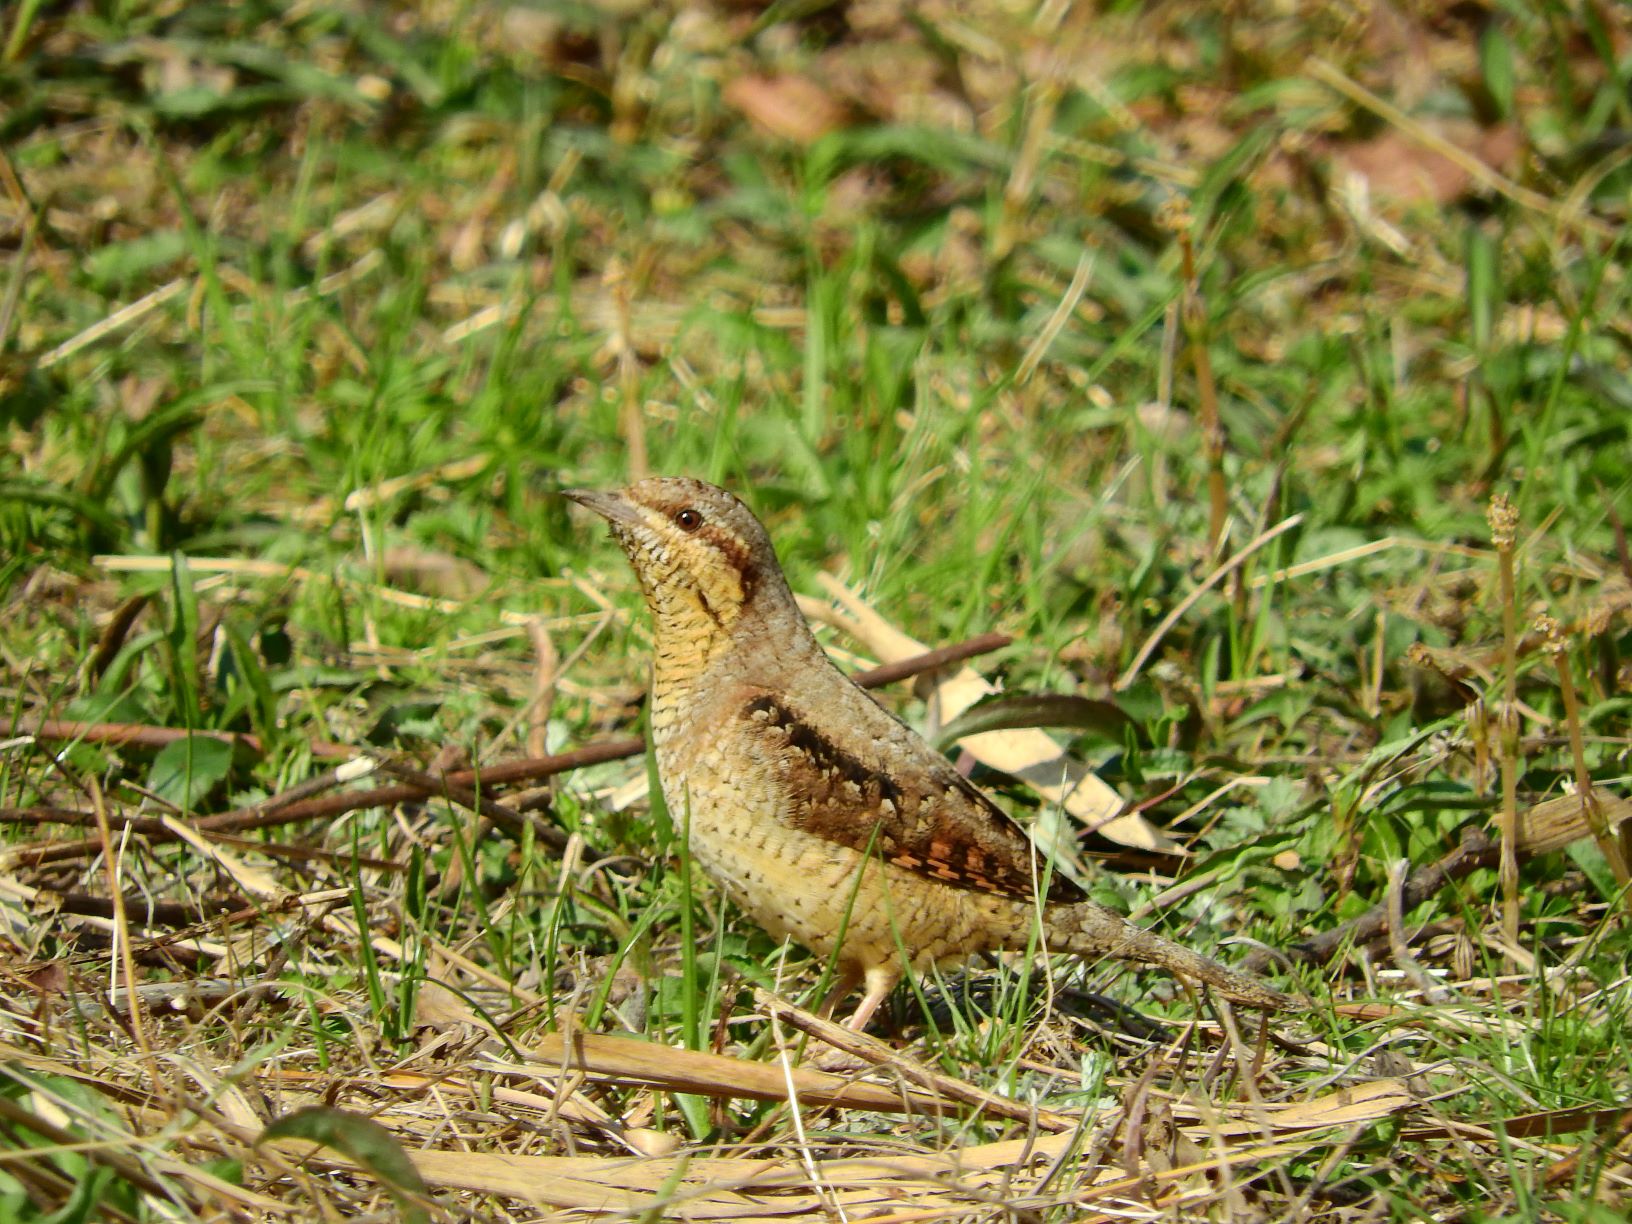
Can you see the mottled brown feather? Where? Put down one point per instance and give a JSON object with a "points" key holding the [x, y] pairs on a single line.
{"points": [[788, 774], [940, 826]]}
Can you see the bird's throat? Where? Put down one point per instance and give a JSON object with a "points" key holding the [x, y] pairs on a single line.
{"points": [[690, 637]]}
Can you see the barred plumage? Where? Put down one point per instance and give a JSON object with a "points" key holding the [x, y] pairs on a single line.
{"points": [[815, 809]]}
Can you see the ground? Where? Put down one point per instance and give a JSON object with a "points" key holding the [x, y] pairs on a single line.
{"points": [[1259, 371]]}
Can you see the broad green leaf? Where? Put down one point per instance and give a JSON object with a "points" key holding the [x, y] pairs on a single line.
{"points": [[188, 769], [122, 263], [38, 493], [365, 1141], [1496, 63]]}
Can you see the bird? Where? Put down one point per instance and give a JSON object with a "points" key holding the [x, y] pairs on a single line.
{"points": [[817, 812]]}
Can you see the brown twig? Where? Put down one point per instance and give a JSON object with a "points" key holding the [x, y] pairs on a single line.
{"points": [[532, 769], [143, 911], [144, 735], [506, 817], [113, 637], [263, 816], [1476, 850], [1398, 941], [127, 964], [285, 808], [932, 660], [1623, 554], [1193, 316], [55, 815], [15, 1114], [1610, 845], [1567, 1169], [1504, 530]]}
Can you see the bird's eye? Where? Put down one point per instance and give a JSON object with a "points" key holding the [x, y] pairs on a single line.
{"points": [[687, 519]]}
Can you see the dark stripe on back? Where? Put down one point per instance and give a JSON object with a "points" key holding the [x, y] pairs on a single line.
{"points": [[823, 753]]}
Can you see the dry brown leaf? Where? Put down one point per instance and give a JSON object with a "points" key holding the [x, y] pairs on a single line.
{"points": [[627, 1060], [1399, 168], [435, 1006], [300, 1087], [1346, 1107], [790, 106], [698, 1186]]}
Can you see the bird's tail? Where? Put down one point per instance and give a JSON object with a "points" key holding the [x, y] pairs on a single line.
{"points": [[1089, 930]]}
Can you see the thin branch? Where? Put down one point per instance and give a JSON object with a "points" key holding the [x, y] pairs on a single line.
{"points": [[144, 735], [932, 660], [456, 786], [1476, 850]]}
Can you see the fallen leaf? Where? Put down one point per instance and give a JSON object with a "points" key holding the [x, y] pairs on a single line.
{"points": [[1399, 168], [790, 106]]}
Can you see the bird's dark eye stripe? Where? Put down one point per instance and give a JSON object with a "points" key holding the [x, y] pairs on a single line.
{"points": [[688, 519]]}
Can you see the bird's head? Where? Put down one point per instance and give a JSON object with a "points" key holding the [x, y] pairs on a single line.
{"points": [[701, 556]]}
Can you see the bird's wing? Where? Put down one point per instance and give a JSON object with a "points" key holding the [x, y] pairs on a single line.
{"points": [[895, 796]]}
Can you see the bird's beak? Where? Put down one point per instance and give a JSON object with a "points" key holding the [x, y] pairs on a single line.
{"points": [[613, 507]]}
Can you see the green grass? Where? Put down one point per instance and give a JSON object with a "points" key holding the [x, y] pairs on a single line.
{"points": [[393, 276]]}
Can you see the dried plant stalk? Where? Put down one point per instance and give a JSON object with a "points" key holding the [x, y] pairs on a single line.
{"points": [[1504, 522], [1608, 842], [1194, 315]]}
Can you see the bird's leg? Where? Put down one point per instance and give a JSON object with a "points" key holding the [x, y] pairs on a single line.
{"points": [[880, 979], [847, 981]]}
